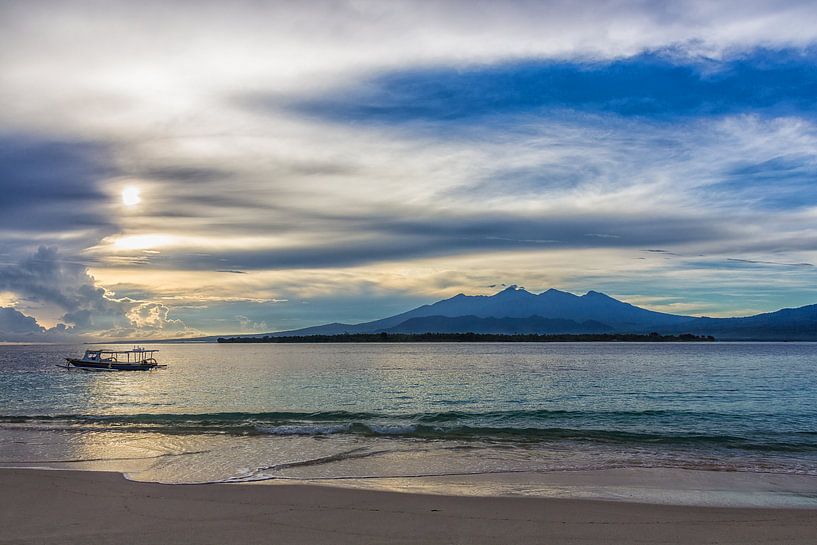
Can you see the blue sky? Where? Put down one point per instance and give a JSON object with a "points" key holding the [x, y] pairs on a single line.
{"points": [[176, 170], [665, 85]]}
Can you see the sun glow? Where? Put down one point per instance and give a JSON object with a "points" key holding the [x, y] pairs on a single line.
{"points": [[143, 242], [131, 196]]}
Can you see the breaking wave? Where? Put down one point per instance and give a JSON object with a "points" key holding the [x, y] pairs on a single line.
{"points": [[628, 427]]}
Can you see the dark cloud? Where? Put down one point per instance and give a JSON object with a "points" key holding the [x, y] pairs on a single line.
{"points": [[17, 327], [15, 324], [49, 188], [569, 173], [760, 262], [51, 184], [783, 182], [657, 251], [385, 239], [201, 190], [48, 280], [185, 173]]}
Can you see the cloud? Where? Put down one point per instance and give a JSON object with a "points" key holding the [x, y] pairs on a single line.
{"points": [[425, 235], [247, 324], [45, 281], [53, 188], [761, 262], [782, 182], [657, 251], [15, 326], [645, 184]]}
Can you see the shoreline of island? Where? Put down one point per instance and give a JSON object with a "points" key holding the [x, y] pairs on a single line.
{"points": [[466, 338]]}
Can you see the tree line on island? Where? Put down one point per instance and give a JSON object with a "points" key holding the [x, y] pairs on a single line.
{"points": [[467, 337]]}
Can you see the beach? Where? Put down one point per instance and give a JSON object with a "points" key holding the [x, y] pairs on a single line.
{"points": [[84, 507]]}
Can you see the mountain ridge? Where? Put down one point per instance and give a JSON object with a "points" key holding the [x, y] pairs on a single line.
{"points": [[516, 310]]}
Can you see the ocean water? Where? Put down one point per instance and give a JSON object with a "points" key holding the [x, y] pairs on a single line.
{"points": [[256, 412]]}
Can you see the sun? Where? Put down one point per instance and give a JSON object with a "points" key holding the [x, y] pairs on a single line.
{"points": [[130, 196]]}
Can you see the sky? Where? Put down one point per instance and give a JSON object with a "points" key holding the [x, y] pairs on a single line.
{"points": [[174, 169]]}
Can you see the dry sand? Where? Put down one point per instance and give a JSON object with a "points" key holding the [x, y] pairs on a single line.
{"points": [[70, 507]]}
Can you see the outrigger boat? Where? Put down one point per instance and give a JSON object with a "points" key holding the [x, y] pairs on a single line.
{"points": [[138, 359]]}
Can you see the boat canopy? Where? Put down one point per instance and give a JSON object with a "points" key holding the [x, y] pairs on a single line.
{"points": [[136, 350], [139, 354]]}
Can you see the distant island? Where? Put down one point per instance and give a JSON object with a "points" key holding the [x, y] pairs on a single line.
{"points": [[468, 337], [515, 314]]}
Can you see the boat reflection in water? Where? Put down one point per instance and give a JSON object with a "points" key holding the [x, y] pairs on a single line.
{"points": [[137, 359]]}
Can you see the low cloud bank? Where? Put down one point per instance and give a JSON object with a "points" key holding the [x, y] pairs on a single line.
{"points": [[47, 280]]}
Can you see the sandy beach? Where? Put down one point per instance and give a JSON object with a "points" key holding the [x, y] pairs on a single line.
{"points": [[73, 507]]}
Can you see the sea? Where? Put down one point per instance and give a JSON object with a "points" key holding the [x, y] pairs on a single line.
{"points": [[400, 412]]}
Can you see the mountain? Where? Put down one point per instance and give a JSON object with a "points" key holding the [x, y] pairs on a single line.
{"points": [[507, 326], [515, 302], [516, 310], [786, 324]]}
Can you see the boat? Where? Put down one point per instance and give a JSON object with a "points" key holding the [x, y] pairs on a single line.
{"points": [[137, 359]]}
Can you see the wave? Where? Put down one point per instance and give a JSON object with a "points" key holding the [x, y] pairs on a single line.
{"points": [[333, 416], [105, 459], [676, 428]]}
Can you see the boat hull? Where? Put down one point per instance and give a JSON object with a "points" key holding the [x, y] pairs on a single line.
{"points": [[110, 366]]}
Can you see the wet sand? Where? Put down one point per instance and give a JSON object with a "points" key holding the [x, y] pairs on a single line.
{"points": [[73, 507]]}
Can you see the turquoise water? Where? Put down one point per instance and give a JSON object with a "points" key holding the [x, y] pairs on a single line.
{"points": [[255, 412]]}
